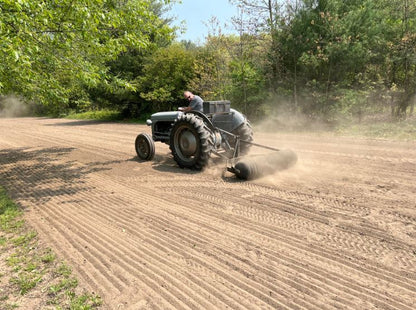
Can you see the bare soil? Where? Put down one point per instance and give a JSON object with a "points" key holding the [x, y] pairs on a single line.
{"points": [[336, 231]]}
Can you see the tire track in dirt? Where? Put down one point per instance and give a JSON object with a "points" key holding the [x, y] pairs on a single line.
{"points": [[65, 236], [118, 243], [113, 251], [160, 242], [351, 236], [146, 234], [325, 280], [370, 158], [80, 144], [152, 238], [95, 250], [97, 279]]}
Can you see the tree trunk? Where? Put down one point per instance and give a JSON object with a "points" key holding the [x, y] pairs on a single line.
{"points": [[295, 88]]}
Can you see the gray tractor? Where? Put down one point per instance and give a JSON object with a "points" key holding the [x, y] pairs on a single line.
{"points": [[194, 136]]}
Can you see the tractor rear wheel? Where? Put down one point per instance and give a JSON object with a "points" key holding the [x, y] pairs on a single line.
{"points": [[245, 132], [145, 146], [191, 142]]}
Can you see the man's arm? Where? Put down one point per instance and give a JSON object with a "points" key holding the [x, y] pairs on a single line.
{"points": [[185, 109]]}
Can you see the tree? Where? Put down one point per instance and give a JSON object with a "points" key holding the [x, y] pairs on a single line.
{"points": [[263, 16], [53, 51], [331, 46], [212, 67], [401, 56], [166, 75]]}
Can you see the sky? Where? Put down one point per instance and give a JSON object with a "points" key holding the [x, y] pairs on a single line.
{"points": [[196, 12]]}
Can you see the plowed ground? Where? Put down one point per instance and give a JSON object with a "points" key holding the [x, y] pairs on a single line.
{"points": [[336, 231]]}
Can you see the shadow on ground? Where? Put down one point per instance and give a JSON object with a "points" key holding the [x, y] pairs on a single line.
{"points": [[216, 168], [38, 175], [78, 123]]}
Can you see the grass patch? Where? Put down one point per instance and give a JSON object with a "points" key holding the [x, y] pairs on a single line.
{"points": [[398, 130], [9, 214], [373, 126], [377, 125], [101, 115], [107, 116], [32, 268]]}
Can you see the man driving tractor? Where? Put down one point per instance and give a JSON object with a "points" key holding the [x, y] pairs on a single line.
{"points": [[195, 102]]}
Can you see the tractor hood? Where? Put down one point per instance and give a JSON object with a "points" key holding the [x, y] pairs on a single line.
{"points": [[169, 116]]}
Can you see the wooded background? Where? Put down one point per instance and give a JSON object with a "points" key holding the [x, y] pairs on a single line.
{"points": [[323, 59]]}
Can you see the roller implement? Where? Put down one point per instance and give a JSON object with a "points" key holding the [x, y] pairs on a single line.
{"points": [[220, 130]]}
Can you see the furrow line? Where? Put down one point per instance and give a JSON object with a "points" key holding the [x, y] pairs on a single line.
{"points": [[356, 288], [374, 158], [113, 251], [347, 284], [231, 192], [253, 291], [168, 243], [322, 251], [62, 247], [105, 211], [89, 253], [150, 239], [306, 286], [78, 144], [182, 229], [388, 276], [291, 243]]}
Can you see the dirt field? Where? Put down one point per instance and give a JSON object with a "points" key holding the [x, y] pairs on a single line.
{"points": [[336, 231]]}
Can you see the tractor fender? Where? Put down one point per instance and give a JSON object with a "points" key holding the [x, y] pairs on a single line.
{"points": [[206, 120]]}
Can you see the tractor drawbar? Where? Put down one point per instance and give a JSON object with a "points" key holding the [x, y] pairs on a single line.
{"points": [[250, 168]]}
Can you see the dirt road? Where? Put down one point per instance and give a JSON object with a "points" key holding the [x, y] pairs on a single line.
{"points": [[337, 231]]}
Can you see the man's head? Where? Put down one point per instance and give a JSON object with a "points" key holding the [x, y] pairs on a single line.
{"points": [[188, 95]]}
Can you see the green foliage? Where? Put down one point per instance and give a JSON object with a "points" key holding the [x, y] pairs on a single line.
{"points": [[212, 67], [25, 239], [331, 49], [53, 52], [26, 281], [315, 57], [248, 86], [166, 74], [9, 213], [29, 265], [101, 115], [381, 128]]}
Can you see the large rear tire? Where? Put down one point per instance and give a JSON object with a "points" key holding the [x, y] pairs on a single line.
{"points": [[191, 142], [245, 132], [145, 146]]}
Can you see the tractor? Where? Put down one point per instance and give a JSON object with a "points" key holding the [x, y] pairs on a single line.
{"points": [[194, 136]]}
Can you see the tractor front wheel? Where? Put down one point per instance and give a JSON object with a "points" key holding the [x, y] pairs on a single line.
{"points": [[191, 142], [145, 146]]}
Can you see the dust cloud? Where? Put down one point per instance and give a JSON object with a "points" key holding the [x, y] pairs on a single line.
{"points": [[290, 122], [287, 131], [11, 106]]}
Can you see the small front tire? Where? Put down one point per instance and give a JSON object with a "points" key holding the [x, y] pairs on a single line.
{"points": [[145, 146]]}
